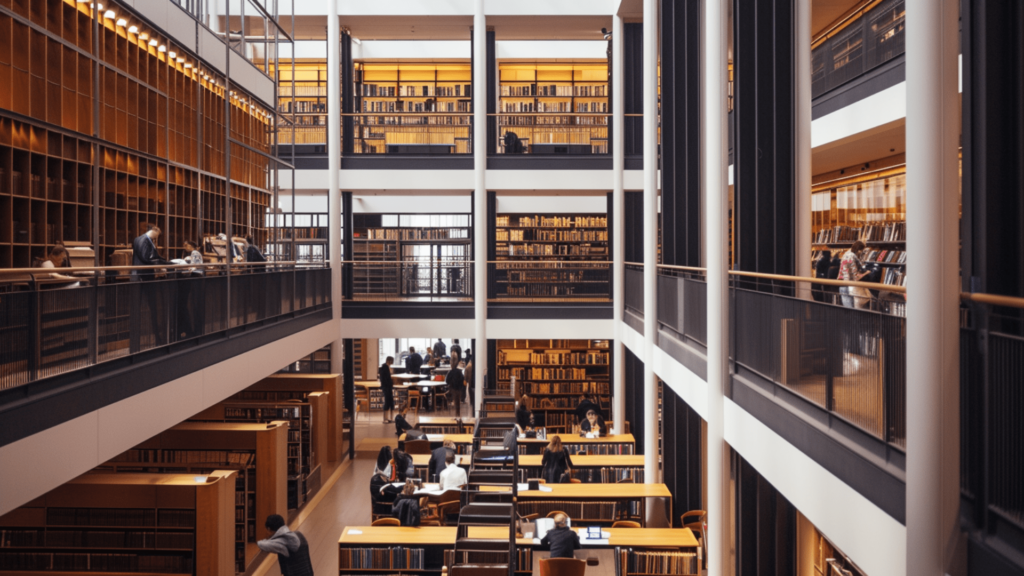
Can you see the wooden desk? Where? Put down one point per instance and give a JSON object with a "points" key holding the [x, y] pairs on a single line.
{"points": [[591, 503], [580, 461], [445, 536]]}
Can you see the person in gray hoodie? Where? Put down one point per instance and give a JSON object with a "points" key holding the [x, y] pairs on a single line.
{"points": [[291, 548]]}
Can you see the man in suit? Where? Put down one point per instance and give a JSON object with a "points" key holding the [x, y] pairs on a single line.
{"points": [[413, 361], [438, 458], [439, 349], [561, 540], [144, 253]]}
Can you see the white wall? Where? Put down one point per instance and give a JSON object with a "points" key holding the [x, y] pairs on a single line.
{"points": [[551, 50], [37, 464], [422, 204], [552, 204]]}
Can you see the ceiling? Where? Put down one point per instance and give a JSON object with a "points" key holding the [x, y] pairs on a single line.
{"points": [[825, 12], [454, 27], [882, 142]]}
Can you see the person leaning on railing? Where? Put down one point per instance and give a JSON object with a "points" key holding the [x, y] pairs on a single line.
{"points": [[851, 269]]}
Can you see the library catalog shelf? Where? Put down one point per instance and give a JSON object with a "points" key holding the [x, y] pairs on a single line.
{"points": [[848, 360], [86, 316], [405, 133], [552, 133], [526, 280], [416, 280]]}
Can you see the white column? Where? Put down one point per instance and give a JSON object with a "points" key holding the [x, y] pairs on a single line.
{"points": [[650, 76], [933, 130], [803, 143], [334, 154], [716, 207], [480, 197], [618, 226]]}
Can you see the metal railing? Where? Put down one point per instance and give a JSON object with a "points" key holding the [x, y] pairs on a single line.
{"points": [[683, 302], [633, 287], [50, 326], [420, 280], [864, 40], [533, 281], [551, 133]]}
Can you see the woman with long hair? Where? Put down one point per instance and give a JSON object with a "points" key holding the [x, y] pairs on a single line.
{"points": [[555, 462]]}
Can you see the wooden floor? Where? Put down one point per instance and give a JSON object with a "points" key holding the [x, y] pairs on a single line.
{"points": [[343, 501]]}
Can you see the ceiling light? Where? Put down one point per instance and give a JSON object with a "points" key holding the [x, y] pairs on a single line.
{"points": [[180, 60], [121, 22], [109, 14], [188, 65], [153, 42], [162, 48], [134, 30], [172, 54]]}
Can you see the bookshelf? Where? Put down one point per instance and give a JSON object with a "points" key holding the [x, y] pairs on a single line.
{"points": [[308, 103], [310, 236], [153, 164], [870, 209], [381, 88], [633, 562], [532, 89], [541, 251], [433, 249], [299, 386], [398, 550], [555, 373], [319, 362], [125, 523]]}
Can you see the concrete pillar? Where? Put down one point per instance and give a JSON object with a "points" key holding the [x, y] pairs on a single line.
{"points": [[933, 422], [803, 143], [618, 227], [480, 198], [716, 210], [334, 156], [650, 80]]}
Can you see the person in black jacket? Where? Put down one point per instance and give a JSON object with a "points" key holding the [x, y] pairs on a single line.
{"points": [[387, 388], [407, 506], [524, 416], [561, 540], [253, 254], [555, 462], [402, 466], [586, 405], [291, 548], [144, 253], [381, 499], [456, 349], [437, 459], [439, 349], [594, 423], [821, 267], [413, 362], [456, 382]]}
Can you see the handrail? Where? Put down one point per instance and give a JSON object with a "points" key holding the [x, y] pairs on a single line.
{"points": [[826, 281], [844, 21], [549, 261], [993, 299], [356, 114], [157, 267], [406, 261], [683, 268]]}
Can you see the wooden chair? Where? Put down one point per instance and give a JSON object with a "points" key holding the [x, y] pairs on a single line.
{"points": [[447, 509], [441, 396], [386, 522], [626, 524], [554, 513], [575, 481], [562, 567], [362, 398], [417, 446], [696, 522], [415, 397]]}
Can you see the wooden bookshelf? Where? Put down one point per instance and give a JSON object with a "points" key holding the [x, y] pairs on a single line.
{"points": [[294, 386], [125, 523], [381, 88], [532, 89], [555, 373], [307, 435], [307, 105], [309, 234], [153, 164]]}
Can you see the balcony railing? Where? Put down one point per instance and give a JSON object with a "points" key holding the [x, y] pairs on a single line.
{"points": [[865, 40], [683, 302], [532, 281], [50, 326], [850, 361], [419, 280], [633, 286], [552, 133]]}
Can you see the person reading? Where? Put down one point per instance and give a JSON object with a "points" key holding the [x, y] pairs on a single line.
{"points": [[593, 426], [453, 477], [586, 405], [439, 459], [561, 540]]}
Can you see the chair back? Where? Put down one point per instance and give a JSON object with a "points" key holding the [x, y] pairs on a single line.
{"points": [[626, 524], [694, 519], [386, 522], [417, 446], [562, 567]]}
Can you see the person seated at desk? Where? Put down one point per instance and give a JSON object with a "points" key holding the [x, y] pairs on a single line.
{"points": [[586, 405], [57, 258], [400, 467], [561, 540], [402, 425], [407, 506], [381, 498], [439, 459], [593, 426], [428, 358], [453, 477], [524, 416], [413, 362], [555, 462]]}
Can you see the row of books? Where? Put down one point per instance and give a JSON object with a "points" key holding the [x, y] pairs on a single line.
{"points": [[894, 277], [592, 107], [36, 538], [552, 344], [213, 457], [246, 533], [541, 121], [416, 233], [549, 250], [604, 475], [259, 414], [302, 107], [554, 221], [284, 89], [451, 558], [891, 232], [634, 562], [578, 511], [92, 562], [395, 558], [887, 256], [556, 90], [302, 234], [120, 517], [837, 234], [586, 358], [416, 91], [562, 387], [556, 402], [508, 373], [540, 291], [557, 235]]}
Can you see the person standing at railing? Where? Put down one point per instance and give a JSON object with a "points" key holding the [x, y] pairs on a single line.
{"points": [[253, 254], [851, 270], [144, 253], [190, 311], [387, 388]]}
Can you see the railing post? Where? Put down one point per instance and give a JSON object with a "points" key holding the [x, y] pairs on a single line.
{"points": [[93, 321], [35, 334]]}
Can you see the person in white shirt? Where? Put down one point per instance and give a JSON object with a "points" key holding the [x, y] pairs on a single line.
{"points": [[452, 477]]}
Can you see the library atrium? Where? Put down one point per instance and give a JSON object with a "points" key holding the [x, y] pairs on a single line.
{"points": [[602, 287]]}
